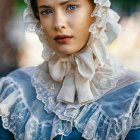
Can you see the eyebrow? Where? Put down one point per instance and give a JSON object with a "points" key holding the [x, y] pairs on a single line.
{"points": [[65, 2], [62, 3]]}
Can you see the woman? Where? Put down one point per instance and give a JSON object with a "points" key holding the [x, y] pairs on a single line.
{"points": [[79, 92]]}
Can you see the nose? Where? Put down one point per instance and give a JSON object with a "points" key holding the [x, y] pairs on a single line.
{"points": [[59, 21]]}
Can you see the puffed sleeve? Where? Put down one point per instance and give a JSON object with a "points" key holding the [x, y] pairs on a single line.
{"points": [[4, 133], [13, 111], [22, 114]]}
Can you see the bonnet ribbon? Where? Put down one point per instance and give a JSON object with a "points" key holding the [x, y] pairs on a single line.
{"points": [[74, 82]]}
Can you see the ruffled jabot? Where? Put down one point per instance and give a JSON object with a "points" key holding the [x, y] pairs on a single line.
{"points": [[87, 83], [80, 82]]}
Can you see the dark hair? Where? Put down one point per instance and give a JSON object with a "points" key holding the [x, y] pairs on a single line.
{"points": [[35, 8]]}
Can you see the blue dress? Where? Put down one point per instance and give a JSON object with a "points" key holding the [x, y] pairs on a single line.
{"points": [[115, 116], [75, 135]]}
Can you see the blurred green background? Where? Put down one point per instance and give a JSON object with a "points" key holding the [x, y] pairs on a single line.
{"points": [[15, 47], [126, 7]]}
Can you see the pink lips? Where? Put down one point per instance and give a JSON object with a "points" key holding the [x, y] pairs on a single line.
{"points": [[63, 38]]}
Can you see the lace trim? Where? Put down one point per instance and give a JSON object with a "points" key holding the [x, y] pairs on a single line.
{"points": [[17, 117], [12, 109], [47, 89], [90, 119], [71, 111], [111, 128]]}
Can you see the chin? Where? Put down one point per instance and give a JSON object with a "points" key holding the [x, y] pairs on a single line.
{"points": [[67, 51]]}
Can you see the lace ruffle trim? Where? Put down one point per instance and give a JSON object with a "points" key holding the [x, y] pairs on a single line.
{"points": [[90, 119], [104, 127], [12, 109], [47, 89]]}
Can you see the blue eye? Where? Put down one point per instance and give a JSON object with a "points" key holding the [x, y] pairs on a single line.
{"points": [[72, 7], [46, 12]]}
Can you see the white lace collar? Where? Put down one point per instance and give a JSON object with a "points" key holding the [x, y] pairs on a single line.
{"points": [[104, 80]]}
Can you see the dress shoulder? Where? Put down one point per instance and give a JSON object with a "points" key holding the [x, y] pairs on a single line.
{"points": [[19, 107], [13, 110], [115, 114]]}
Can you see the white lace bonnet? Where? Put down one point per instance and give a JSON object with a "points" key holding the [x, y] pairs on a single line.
{"points": [[105, 27], [103, 31]]}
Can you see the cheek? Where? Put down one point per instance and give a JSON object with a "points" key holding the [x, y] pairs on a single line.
{"points": [[87, 24], [47, 31], [83, 25], [47, 25], [82, 21]]}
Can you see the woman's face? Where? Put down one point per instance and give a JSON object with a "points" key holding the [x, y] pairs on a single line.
{"points": [[66, 23]]}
